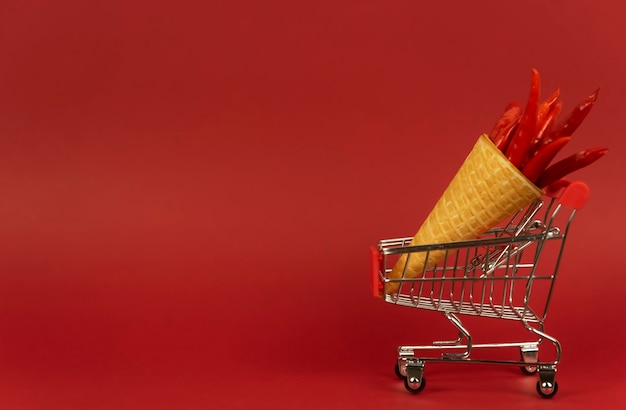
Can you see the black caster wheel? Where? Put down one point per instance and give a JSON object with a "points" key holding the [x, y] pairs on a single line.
{"points": [[413, 386], [529, 370], [547, 389], [400, 373]]}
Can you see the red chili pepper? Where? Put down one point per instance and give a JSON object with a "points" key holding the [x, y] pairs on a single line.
{"points": [[516, 151], [508, 135], [546, 106], [502, 127], [543, 136], [570, 164], [569, 124], [538, 163]]}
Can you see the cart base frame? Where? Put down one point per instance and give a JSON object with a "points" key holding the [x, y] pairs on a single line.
{"points": [[411, 359]]}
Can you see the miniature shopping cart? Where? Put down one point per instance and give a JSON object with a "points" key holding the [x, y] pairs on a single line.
{"points": [[508, 273]]}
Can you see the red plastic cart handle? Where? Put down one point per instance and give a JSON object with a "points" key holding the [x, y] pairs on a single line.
{"points": [[375, 260], [569, 194]]}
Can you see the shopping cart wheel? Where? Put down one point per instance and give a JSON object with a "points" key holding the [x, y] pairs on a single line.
{"points": [[528, 355], [413, 385], [547, 389], [529, 370], [400, 371]]}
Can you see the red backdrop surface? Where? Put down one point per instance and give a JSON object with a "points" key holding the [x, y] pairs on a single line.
{"points": [[188, 191]]}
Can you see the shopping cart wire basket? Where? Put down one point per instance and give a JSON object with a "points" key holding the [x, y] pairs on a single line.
{"points": [[508, 273]]}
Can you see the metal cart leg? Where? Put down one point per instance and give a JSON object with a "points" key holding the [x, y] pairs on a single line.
{"points": [[463, 333]]}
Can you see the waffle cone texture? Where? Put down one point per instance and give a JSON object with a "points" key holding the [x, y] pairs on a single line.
{"points": [[485, 190]]}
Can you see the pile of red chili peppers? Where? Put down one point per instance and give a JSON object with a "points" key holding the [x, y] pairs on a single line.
{"points": [[531, 138]]}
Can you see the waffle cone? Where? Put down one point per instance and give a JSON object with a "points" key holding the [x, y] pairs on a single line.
{"points": [[485, 190]]}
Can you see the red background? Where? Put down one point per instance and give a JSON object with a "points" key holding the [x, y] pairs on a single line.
{"points": [[189, 189]]}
